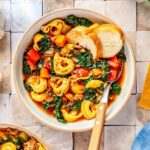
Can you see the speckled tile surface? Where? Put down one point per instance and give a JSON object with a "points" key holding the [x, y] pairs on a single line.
{"points": [[134, 20]]}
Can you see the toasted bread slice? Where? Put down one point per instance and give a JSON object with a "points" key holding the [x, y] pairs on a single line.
{"points": [[111, 38], [76, 34], [85, 38], [92, 43]]}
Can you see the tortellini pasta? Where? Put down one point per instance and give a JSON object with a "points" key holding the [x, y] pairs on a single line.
{"points": [[77, 88], [56, 27], [87, 109], [37, 38], [8, 146], [37, 83], [59, 85], [38, 97], [72, 115], [63, 65], [94, 84]]}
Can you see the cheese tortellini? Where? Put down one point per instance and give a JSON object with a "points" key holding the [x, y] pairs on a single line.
{"points": [[36, 39], [8, 146], [63, 65], [59, 85], [77, 88], [56, 27], [94, 84], [37, 83], [72, 115], [38, 97], [88, 110]]}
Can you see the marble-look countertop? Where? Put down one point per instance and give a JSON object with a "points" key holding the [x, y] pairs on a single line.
{"points": [[119, 132]]}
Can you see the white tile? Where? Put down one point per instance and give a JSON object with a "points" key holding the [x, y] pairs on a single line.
{"points": [[127, 116], [123, 13], [15, 38], [24, 13], [52, 5], [4, 108], [143, 46], [131, 36], [5, 48], [19, 113], [143, 18], [5, 10], [141, 68], [118, 137], [12, 87], [5, 84], [57, 139], [95, 5], [36, 129], [82, 139]]}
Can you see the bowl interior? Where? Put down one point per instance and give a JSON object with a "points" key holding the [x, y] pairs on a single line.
{"points": [[42, 116]]}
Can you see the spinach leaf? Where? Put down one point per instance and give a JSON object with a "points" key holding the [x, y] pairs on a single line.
{"points": [[18, 141], [71, 20], [44, 44], [26, 67], [103, 65], [121, 55], [27, 87], [76, 105], [90, 94], [58, 113], [115, 88], [84, 22], [89, 79], [48, 105], [85, 60], [75, 21]]}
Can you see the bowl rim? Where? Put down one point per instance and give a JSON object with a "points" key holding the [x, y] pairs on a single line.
{"points": [[26, 130], [127, 43]]}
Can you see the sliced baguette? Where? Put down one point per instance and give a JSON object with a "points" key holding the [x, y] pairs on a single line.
{"points": [[84, 37], [92, 43], [111, 38]]}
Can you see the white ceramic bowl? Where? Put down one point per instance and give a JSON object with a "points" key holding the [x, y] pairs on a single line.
{"points": [[20, 128], [42, 116]]}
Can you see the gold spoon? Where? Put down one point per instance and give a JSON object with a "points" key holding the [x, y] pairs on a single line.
{"points": [[100, 117]]}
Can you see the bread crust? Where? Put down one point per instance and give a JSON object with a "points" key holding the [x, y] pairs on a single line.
{"points": [[98, 44]]}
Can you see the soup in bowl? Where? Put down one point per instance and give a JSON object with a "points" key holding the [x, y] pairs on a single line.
{"points": [[66, 60]]}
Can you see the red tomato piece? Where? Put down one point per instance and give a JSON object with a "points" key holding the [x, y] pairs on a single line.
{"points": [[33, 55], [114, 62], [112, 75], [31, 64], [81, 72]]}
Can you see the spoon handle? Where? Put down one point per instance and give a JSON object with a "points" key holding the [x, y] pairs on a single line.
{"points": [[99, 122]]}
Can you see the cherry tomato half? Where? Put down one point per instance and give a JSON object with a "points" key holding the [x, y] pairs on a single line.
{"points": [[81, 72], [114, 62], [112, 75]]}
